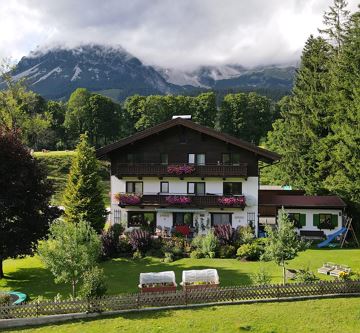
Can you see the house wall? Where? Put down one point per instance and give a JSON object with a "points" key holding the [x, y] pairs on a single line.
{"points": [[151, 185], [309, 218]]}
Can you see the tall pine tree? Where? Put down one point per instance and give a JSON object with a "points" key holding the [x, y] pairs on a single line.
{"points": [[83, 196]]}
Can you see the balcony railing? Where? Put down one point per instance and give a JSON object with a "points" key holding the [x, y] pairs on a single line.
{"points": [[161, 170], [181, 200]]}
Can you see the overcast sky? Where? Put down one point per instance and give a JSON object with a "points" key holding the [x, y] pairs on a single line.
{"points": [[172, 33]]}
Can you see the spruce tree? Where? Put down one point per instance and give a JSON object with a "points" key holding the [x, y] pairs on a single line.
{"points": [[83, 196], [301, 134], [344, 178], [336, 21]]}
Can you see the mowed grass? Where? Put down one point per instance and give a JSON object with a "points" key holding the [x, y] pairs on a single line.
{"points": [[28, 275], [340, 315]]}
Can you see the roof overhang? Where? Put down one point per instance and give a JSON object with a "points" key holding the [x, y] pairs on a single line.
{"points": [[262, 153]]}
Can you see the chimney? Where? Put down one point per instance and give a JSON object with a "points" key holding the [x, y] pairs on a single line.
{"points": [[185, 116]]}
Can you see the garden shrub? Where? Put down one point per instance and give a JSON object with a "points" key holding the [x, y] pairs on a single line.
{"points": [[110, 241], [137, 255], [227, 251], [169, 257], [139, 240], [124, 248], [196, 254], [4, 299], [224, 233], [207, 244], [245, 235], [261, 278], [93, 283], [305, 276], [153, 252], [251, 252]]}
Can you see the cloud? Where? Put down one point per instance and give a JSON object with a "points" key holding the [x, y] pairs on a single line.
{"points": [[169, 33]]}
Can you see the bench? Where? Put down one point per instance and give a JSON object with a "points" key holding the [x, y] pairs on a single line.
{"points": [[312, 234]]}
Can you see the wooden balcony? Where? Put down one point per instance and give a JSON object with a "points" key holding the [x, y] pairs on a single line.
{"points": [[160, 170], [195, 201]]}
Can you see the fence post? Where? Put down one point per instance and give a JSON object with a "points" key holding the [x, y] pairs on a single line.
{"points": [[186, 299], [138, 301]]}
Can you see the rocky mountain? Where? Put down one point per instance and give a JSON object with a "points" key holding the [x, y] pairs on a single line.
{"points": [[55, 73]]}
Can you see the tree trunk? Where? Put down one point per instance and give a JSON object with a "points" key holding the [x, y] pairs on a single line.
{"points": [[1, 268], [284, 273], [73, 288]]}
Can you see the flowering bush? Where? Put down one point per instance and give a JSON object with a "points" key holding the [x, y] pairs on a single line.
{"points": [[180, 169], [232, 201], [177, 200], [128, 199], [139, 240], [224, 233]]}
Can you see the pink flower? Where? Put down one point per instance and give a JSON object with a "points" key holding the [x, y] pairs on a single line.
{"points": [[177, 200], [128, 199], [180, 169], [232, 201]]}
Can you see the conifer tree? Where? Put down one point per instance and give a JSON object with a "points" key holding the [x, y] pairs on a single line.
{"points": [[336, 21], [344, 178], [83, 197], [301, 135]]}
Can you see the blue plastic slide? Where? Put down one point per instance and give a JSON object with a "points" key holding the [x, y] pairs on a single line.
{"points": [[331, 237]]}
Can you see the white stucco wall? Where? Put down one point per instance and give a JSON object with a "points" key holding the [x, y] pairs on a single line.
{"points": [[309, 218]]}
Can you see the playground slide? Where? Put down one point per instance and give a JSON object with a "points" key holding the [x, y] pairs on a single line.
{"points": [[331, 237]]}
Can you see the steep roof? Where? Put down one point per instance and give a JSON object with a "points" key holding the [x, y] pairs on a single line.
{"points": [[301, 201], [263, 153]]}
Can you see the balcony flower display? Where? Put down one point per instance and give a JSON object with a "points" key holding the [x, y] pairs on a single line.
{"points": [[177, 200], [180, 170], [232, 201], [128, 199]]}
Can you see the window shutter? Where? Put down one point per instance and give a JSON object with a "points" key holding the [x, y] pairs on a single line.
{"points": [[334, 220], [316, 219], [303, 220]]}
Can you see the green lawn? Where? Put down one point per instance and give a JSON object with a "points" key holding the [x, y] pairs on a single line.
{"points": [[319, 316], [332, 315], [28, 274]]}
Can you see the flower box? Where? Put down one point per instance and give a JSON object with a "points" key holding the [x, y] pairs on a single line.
{"points": [[158, 289], [232, 201], [180, 170], [128, 199], [178, 200]]}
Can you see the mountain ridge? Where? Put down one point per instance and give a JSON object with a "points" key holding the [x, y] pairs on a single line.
{"points": [[55, 72]]}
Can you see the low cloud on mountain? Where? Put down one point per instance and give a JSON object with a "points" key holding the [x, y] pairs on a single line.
{"points": [[169, 33]]}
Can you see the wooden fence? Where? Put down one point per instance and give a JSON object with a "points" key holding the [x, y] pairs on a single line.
{"points": [[138, 301]]}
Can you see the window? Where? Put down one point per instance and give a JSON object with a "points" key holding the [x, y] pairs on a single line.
{"points": [[134, 187], [164, 159], [196, 188], [251, 219], [164, 187], [198, 159], [295, 218], [140, 219], [232, 188], [235, 159], [226, 159], [326, 221], [231, 159], [183, 219], [220, 218]]}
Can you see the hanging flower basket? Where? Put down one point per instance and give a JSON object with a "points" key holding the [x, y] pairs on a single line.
{"points": [[128, 199], [180, 170], [178, 200], [232, 201]]}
